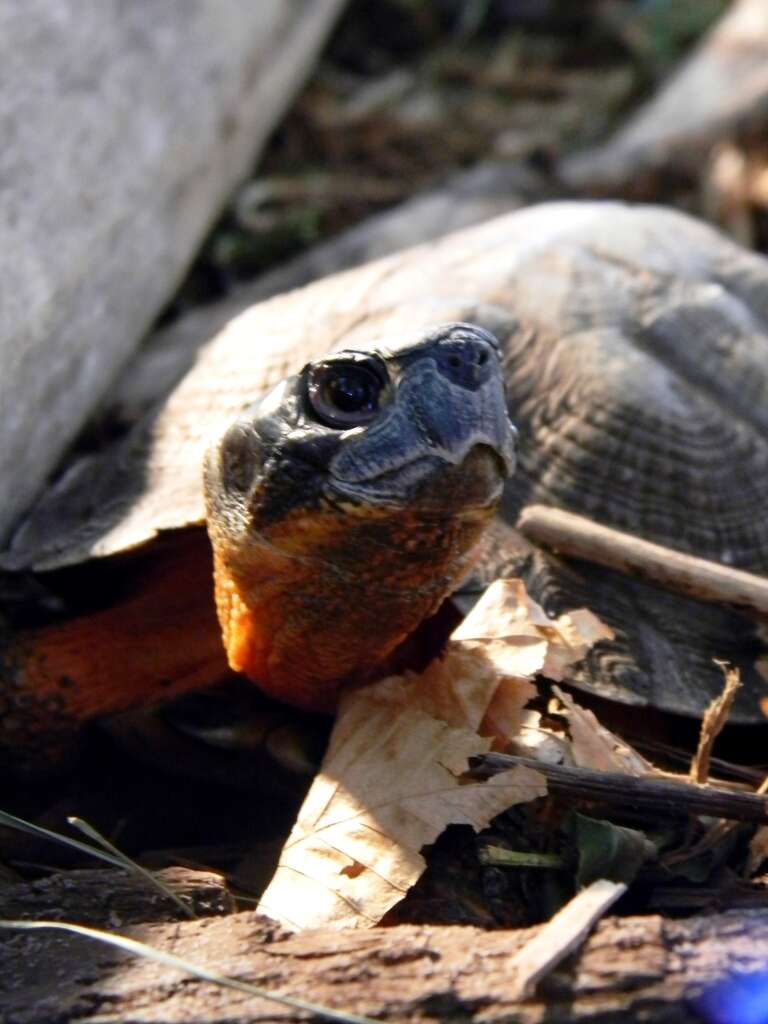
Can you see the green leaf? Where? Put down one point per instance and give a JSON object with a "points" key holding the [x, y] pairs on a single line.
{"points": [[608, 851]]}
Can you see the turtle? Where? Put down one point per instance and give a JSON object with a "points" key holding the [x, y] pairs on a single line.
{"points": [[633, 346]]}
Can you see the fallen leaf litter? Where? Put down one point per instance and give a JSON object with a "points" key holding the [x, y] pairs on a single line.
{"points": [[391, 780]]}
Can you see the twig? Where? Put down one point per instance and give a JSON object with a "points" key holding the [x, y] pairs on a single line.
{"points": [[740, 774], [715, 834], [561, 935], [712, 724], [579, 537], [663, 796]]}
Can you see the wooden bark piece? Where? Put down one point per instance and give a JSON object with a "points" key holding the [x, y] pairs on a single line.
{"points": [[562, 934], [125, 127], [627, 967], [113, 899]]}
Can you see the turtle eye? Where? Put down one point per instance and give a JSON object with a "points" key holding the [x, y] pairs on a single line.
{"points": [[344, 393]]}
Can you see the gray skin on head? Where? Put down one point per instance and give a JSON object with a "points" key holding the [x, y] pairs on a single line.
{"points": [[437, 397]]}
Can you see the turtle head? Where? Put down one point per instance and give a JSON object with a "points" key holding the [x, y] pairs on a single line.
{"points": [[345, 505]]}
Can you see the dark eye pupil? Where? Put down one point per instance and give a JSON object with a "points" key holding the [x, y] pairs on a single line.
{"points": [[351, 391], [345, 393]]}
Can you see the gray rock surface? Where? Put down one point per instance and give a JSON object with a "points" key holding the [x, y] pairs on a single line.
{"points": [[124, 127]]}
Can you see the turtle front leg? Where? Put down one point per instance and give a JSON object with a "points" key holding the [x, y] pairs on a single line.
{"points": [[161, 640]]}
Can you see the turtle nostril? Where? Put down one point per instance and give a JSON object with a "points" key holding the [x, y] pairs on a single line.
{"points": [[467, 363]]}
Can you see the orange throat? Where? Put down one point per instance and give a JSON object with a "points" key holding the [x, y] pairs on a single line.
{"points": [[306, 628]]}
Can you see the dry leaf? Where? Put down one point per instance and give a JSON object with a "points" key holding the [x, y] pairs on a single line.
{"points": [[390, 782], [506, 612], [570, 638], [540, 742], [594, 746], [388, 786], [464, 684], [504, 717], [517, 635]]}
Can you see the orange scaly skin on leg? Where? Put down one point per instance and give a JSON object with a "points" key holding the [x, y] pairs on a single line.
{"points": [[158, 642]]}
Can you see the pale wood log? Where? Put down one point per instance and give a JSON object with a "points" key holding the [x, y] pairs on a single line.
{"points": [[125, 128], [719, 92]]}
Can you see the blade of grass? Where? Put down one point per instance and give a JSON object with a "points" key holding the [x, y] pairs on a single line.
{"points": [[111, 855], [131, 865], [11, 821], [187, 967]]}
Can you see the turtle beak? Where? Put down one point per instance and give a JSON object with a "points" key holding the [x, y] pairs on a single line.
{"points": [[448, 398]]}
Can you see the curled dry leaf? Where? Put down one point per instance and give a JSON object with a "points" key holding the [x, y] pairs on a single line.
{"points": [[506, 612], [521, 639], [391, 779], [594, 746]]}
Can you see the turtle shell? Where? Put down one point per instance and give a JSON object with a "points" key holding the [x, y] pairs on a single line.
{"points": [[636, 355]]}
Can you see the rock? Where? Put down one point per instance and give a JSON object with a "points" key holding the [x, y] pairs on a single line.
{"points": [[124, 127]]}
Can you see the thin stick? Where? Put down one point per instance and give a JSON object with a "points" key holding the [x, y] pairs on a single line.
{"points": [[712, 725], [579, 537], [662, 796], [561, 935]]}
